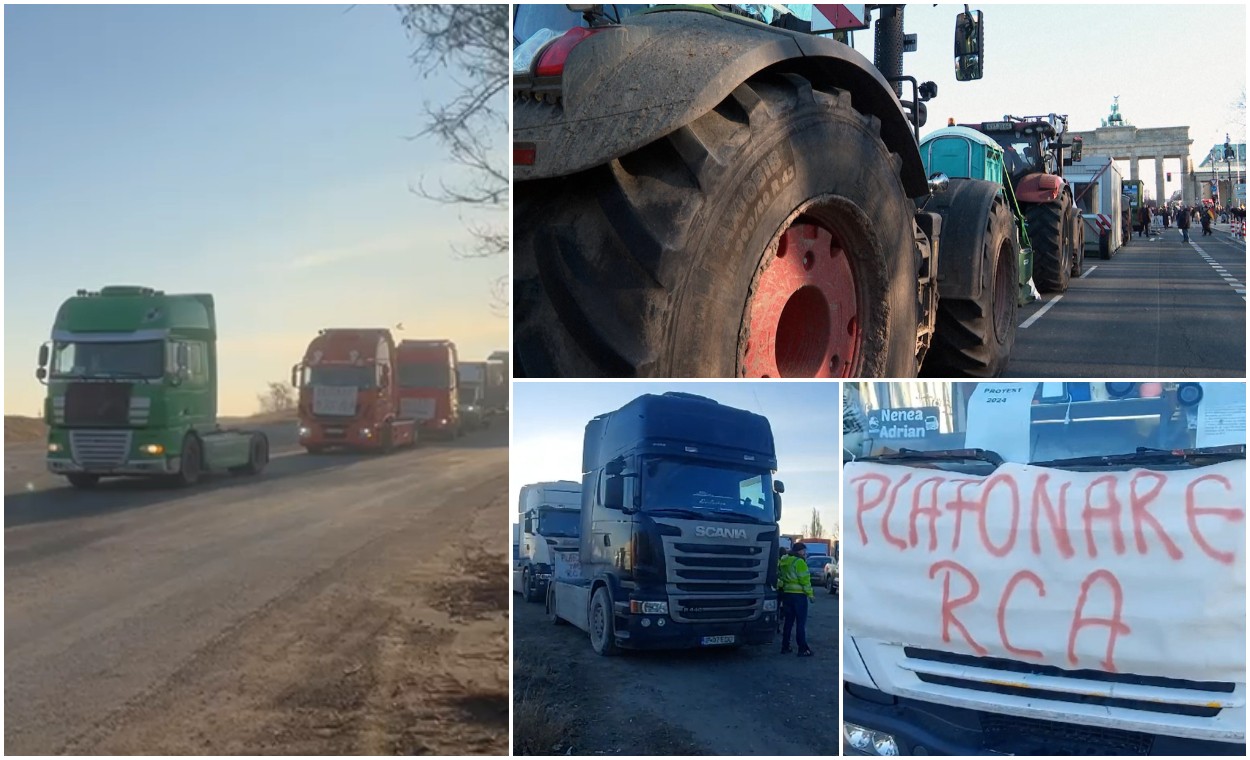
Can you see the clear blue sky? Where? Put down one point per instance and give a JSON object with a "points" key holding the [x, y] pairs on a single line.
{"points": [[549, 419], [253, 152], [1171, 64]]}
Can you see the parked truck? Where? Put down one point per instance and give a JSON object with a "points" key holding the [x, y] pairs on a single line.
{"points": [[428, 390], [550, 520], [132, 390], [495, 389], [471, 381], [721, 191], [1098, 189], [1079, 589], [678, 538], [348, 393]]}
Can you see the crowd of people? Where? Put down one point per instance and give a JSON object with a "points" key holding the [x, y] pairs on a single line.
{"points": [[1183, 216]]}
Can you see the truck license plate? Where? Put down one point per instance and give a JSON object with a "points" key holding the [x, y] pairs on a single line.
{"points": [[708, 641]]}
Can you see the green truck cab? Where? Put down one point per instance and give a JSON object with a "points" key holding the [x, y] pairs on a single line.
{"points": [[132, 390]]}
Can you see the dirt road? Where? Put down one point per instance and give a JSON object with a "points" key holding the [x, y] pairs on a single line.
{"points": [[340, 604], [751, 701]]}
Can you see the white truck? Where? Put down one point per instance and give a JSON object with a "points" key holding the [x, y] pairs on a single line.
{"points": [[549, 524], [1097, 188], [1058, 571]]}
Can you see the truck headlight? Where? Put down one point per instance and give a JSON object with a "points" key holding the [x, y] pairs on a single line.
{"points": [[54, 448], [303, 432], [366, 432], [869, 741], [154, 449], [648, 608], [770, 605]]}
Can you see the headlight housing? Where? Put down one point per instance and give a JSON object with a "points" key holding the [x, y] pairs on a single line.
{"points": [[54, 448], [155, 449], [648, 608], [869, 741], [770, 605]]}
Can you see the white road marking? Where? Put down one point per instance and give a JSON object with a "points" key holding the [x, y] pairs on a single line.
{"points": [[1088, 272], [1045, 308], [1233, 282]]}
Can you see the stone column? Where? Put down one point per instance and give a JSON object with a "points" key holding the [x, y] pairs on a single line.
{"points": [[1187, 185], [1160, 198], [1133, 172]]}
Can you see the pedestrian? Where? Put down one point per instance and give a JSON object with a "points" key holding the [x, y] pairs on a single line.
{"points": [[794, 581], [1167, 217], [781, 603], [1182, 222], [1143, 218], [1207, 216]]}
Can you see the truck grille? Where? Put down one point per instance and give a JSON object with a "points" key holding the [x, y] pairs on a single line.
{"points": [[99, 448], [94, 404], [1026, 736], [709, 580]]}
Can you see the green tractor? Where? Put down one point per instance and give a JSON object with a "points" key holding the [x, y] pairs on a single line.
{"points": [[734, 191]]}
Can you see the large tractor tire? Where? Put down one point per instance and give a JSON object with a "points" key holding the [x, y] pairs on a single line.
{"points": [[974, 336], [1050, 230], [770, 237]]}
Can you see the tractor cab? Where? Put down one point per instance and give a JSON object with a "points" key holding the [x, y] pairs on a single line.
{"points": [[1031, 145]]}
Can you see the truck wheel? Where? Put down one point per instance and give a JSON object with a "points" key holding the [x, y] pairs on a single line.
{"points": [[772, 236], [974, 337], [388, 439], [257, 457], [190, 464], [82, 480], [528, 592], [551, 608], [602, 624], [1052, 244]]}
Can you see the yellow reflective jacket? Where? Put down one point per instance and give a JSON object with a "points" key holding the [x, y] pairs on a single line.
{"points": [[793, 576]]}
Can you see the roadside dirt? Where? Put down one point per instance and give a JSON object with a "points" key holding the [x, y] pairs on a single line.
{"points": [[752, 701], [398, 648]]}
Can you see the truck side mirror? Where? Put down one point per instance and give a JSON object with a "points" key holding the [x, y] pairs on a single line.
{"points": [[969, 45], [295, 376], [43, 356], [615, 467], [1077, 146], [614, 491], [777, 507], [779, 487], [41, 374]]}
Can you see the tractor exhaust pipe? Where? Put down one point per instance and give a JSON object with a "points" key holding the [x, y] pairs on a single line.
{"points": [[888, 50]]}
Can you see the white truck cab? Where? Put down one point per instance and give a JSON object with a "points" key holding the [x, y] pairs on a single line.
{"points": [[549, 516]]}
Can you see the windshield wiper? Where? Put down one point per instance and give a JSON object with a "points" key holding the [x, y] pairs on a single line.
{"points": [[1145, 455], [945, 455]]}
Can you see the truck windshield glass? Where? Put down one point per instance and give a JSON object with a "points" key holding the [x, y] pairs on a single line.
{"points": [[1065, 420], [559, 523], [136, 359], [424, 376], [344, 376], [668, 484]]}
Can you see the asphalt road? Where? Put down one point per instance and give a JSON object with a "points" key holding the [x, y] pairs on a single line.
{"points": [[336, 604], [1159, 308], [749, 701]]}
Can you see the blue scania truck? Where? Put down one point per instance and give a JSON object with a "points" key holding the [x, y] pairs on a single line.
{"points": [[679, 533]]}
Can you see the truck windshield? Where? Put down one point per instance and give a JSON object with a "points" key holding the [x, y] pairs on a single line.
{"points": [[559, 523], [1020, 155], [343, 376], [136, 359], [705, 487], [1060, 420], [424, 376]]}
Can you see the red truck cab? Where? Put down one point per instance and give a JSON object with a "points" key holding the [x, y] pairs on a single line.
{"points": [[428, 390], [348, 397]]}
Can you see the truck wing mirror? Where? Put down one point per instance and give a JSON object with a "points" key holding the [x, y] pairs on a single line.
{"points": [[43, 356], [295, 376], [969, 45], [41, 374], [939, 183], [779, 487], [614, 492]]}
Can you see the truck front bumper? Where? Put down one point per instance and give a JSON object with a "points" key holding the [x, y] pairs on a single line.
{"points": [[633, 633], [926, 728], [153, 466]]}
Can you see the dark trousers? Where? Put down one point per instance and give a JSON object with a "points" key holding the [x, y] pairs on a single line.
{"points": [[794, 609]]}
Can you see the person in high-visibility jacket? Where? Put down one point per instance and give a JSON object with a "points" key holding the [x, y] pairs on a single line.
{"points": [[794, 581]]}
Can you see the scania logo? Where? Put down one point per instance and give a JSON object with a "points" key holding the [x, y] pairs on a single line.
{"points": [[710, 531]]}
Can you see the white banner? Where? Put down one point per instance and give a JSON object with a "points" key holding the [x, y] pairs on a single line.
{"points": [[1132, 571]]}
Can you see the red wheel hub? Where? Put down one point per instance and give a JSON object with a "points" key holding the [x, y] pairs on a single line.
{"points": [[803, 317]]}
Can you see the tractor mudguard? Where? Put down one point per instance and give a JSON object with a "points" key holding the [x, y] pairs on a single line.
{"points": [[629, 85], [965, 207], [1040, 188]]}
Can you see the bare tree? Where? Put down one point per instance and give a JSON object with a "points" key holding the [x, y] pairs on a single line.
{"points": [[279, 398], [815, 528], [468, 43]]}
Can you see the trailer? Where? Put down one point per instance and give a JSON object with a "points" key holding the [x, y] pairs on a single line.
{"points": [[1098, 188]]}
